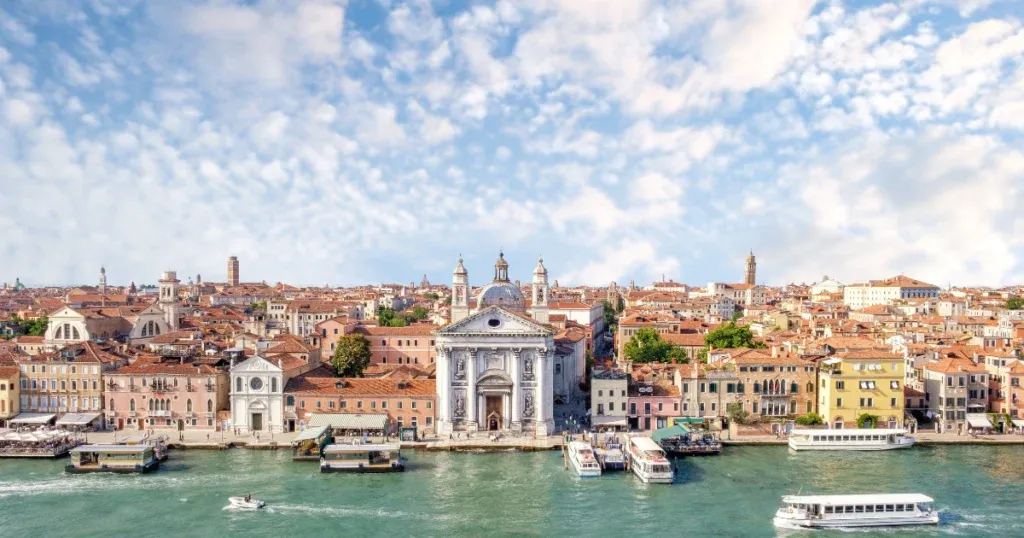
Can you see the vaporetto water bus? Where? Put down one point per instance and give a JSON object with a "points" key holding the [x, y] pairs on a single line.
{"points": [[648, 462], [581, 456], [851, 511], [854, 439], [113, 459], [368, 458]]}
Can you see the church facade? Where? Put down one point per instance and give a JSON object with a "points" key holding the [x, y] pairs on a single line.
{"points": [[494, 363]]}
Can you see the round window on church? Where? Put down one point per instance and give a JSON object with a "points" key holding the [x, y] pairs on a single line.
{"points": [[494, 322], [256, 383]]}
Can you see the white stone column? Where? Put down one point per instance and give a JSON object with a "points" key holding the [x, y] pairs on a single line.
{"points": [[542, 405], [444, 391], [517, 394], [472, 418]]}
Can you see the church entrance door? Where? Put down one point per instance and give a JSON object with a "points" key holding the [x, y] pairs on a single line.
{"points": [[257, 422], [494, 412]]}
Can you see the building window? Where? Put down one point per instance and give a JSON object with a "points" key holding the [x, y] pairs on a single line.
{"points": [[840, 385], [238, 384], [839, 402]]}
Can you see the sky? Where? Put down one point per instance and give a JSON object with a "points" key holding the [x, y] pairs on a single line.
{"points": [[374, 141]]}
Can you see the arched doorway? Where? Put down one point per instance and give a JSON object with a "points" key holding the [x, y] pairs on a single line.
{"points": [[181, 425], [494, 421]]}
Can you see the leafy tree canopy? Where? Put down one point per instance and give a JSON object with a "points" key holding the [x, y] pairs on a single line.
{"points": [[648, 346], [810, 419], [730, 335], [33, 327], [352, 355], [1015, 303]]}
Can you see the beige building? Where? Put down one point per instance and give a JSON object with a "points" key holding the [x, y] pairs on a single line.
{"points": [[68, 381], [873, 292], [10, 392]]}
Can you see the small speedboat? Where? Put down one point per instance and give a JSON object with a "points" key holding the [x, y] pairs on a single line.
{"points": [[241, 502]]}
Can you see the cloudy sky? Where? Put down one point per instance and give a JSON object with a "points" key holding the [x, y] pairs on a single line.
{"points": [[376, 140]]}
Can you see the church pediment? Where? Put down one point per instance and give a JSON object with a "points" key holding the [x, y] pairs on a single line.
{"points": [[494, 378], [495, 320], [255, 364]]}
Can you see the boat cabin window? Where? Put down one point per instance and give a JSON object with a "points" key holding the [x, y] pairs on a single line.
{"points": [[859, 509], [870, 509], [890, 508]]}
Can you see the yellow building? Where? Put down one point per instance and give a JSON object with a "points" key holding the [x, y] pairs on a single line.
{"points": [[855, 383], [10, 392]]}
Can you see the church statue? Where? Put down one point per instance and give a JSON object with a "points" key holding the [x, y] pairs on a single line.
{"points": [[528, 408], [460, 405], [460, 366], [528, 367]]}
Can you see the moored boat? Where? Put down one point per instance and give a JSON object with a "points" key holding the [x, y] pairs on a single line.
{"points": [[852, 511], [611, 457], [648, 462], [368, 458], [113, 459], [581, 456], [854, 439]]}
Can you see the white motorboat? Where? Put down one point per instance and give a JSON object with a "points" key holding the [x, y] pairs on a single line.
{"points": [[581, 455], [648, 462], [852, 511], [859, 439], [246, 504]]}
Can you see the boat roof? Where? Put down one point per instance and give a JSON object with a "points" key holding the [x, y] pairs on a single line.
{"points": [[645, 443], [378, 447], [580, 445], [112, 448], [851, 431], [878, 498], [310, 433]]}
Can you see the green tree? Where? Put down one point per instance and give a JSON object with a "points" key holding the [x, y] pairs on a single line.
{"points": [[32, 327], [385, 316], [867, 420], [609, 313], [730, 335], [352, 355], [448, 300], [620, 305], [1015, 303], [259, 305], [420, 313], [432, 296], [648, 346], [736, 413], [810, 419]]}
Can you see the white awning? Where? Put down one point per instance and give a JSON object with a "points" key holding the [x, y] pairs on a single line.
{"points": [[979, 422], [33, 418], [608, 421], [77, 419], [309, 433], [348, 421], [1018, 422]]}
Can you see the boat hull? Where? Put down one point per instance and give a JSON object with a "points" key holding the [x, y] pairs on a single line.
{"points": [[241, 504], [793, 523], [848, 447], [363, 470], [148, 467]]}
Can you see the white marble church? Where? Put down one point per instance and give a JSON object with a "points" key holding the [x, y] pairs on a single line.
{"points": [[494, 362]]}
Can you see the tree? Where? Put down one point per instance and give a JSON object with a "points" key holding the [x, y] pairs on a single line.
{"points": [[810, 419], [1015, 303], [32, 327], [448, 300], [729, 335], [736, 413], [352, 355], [867, 420], [420, 313], [432, 296], [620, 305], [648, 346], [259, 305], [385, 316], [609, 313]]}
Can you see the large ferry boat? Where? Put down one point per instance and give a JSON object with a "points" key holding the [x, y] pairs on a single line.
{"points": [[848, 511], [858, 439], [581, 456], [648, 462], [369, 458]]}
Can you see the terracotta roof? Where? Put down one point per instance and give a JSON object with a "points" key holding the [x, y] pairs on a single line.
{"points": [[685, 339], [950, 366], [26, 339], [872, 354], [151, 366], [419, 329], [9, 372], [361, 386]]}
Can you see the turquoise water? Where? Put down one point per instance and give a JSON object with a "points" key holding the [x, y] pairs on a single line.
{"points": [[979, 490]]}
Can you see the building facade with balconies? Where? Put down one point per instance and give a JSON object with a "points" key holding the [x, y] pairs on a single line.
{"points": [[66, 381], [857, 383], [953, 388], [165, 393]]}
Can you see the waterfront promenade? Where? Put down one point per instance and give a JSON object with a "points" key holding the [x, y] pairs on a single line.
{"points": [[195, 440]]}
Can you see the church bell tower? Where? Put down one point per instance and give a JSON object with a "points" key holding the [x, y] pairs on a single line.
{"points": [[539, 293], [750, 277], [168, 300], [460, 292]]}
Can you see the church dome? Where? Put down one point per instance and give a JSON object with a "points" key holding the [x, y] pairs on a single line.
{"points": [[502, 294]]}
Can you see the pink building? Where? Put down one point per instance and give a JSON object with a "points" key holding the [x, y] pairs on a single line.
{"points": [[165, 394]]}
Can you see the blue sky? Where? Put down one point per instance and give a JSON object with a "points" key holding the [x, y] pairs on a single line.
{"points": [[376, 140]]}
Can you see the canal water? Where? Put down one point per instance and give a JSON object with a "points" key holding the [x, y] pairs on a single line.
{"points": [[978, 489]]}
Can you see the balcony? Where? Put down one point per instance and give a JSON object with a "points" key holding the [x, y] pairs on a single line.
{"points": [[190, 388], [132, 414], [211, 388], [159, 413], [133, 388]]}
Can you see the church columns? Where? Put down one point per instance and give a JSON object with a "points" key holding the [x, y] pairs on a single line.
{"points": [[444, 380], [516, 397], [472, 398], [543, 398]]}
